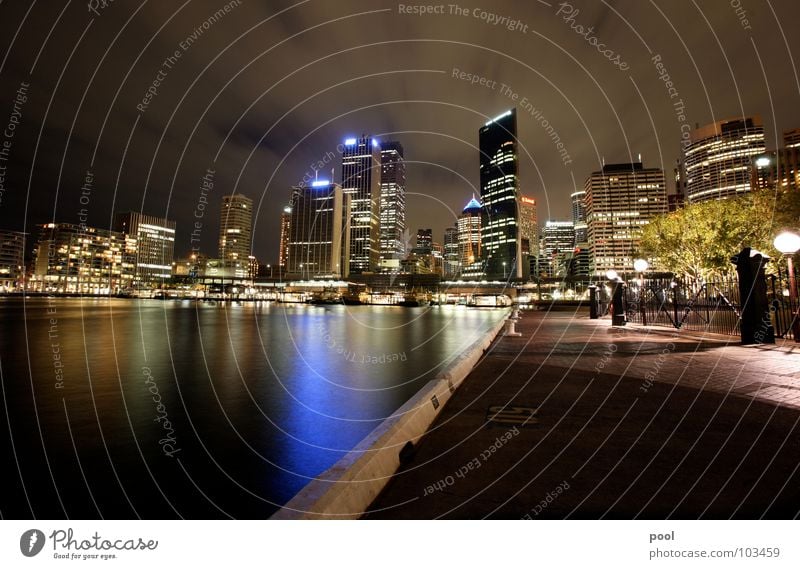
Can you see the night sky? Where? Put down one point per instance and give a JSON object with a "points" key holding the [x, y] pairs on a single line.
{"points": [[270, 88]]}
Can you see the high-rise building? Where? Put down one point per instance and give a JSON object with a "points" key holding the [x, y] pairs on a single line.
{"points": [[777, 170], [579, 215], [791, 138], [152, 240], [558, 243], [718, 157], [451, 254], [74, 258], [620, 200], [500, 240], [235, 228], [528, 226], [425, 239], [283, 253], [361, 167], [393, 200], [319, 232], [12, 262], [676, 198], [469, 238]]}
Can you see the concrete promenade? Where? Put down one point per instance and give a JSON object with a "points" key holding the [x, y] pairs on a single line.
{"points": [[576, 419]]}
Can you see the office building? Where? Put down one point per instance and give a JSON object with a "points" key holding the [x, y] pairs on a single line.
{"points": [[579, 215], [500, 239], [620, 200], [528, 226], [425, 239], [791, 138], [235, 227], [76, 259], [469, 238], [393, 201], [319, 232], [777, 170], [361, 174], [151, 240], [718, 157], [12, 260], [452, 263], [283, 253], [558, 241]]}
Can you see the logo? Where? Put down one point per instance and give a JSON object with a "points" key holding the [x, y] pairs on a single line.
{"points": [[31, 542]]}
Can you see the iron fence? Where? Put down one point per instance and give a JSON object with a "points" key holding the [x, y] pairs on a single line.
{"points": [[705, 306]]}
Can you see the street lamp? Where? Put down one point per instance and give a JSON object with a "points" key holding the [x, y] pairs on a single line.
{"points": [[640, 266], [788, 243]]}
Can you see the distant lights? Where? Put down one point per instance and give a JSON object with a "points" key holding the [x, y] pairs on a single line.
{"points": [[374, 143], [762, 162], [350, 141], [320, 183], [498, 117]]}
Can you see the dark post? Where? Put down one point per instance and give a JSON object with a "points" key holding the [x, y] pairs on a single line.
{"points": [[593, 302], [618, 303], [756, 325]]}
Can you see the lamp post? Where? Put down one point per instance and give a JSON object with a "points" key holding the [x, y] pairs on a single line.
{"points": [[788, 243], [640, 266]]}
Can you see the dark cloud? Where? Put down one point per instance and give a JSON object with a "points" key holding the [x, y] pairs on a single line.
{"points": [[267, 96]]}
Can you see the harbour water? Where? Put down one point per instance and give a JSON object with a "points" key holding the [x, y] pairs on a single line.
{"points": [[166, 409]]}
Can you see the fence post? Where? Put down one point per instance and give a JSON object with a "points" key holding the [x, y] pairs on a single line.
{"points": [[756, 326]]}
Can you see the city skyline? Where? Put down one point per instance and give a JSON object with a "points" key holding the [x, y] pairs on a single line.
{"points": [[438, 135]]}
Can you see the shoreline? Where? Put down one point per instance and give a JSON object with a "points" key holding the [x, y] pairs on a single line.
{"points": [[346, 489]]}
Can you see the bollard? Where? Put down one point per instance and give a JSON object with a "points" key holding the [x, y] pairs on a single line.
{"points": [[618, 303], [515, 314], [511, 329], [593, 311]]}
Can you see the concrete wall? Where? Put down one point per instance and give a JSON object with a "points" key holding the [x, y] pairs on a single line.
{"points": [[346, 489]]}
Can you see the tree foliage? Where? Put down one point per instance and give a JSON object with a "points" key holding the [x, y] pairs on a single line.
{"points": [[699, 239]]}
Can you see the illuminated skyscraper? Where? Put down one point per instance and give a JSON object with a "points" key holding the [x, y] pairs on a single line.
{"points": [[469, 237], [528, 226], [152, 239], [286, 224], [318, 232], [500, 237], [718, 158], [425, 239], [235, 227], [361, 162], [451, 255], [393, 200], [620, 200], [579, 215]]}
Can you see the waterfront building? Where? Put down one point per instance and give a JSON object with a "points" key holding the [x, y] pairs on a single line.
{"points": [[620, 200], [718, 158], [319, 232], [501, 246], [452, 262], [77, 259], [283, 253], [392, 201], [235, 227], [469, 239], [151, 241], [12, 260], [361, 167]]}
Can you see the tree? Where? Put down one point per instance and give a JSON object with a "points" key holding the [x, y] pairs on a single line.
{"points": [[699, 240]]}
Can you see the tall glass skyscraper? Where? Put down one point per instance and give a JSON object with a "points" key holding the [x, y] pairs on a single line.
{"points": [[318, 231], [579, 216], [500, 242], [361, 167], [393, 200]]}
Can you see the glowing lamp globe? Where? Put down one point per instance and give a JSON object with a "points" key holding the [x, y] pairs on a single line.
{"points": [[640, 265], [787, 242]]}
